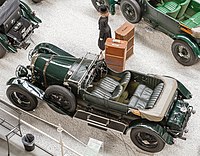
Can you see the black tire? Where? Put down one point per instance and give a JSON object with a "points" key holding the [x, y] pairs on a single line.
{"points": [[131, 10], [60, 99], [36, 1], [2, 51], [183, 53], [21, 98], [98, 3], [147, 139]]}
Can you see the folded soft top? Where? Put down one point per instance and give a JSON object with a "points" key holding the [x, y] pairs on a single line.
{"points": [[7, 7]]}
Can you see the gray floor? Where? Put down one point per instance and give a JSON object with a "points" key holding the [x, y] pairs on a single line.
{"points": [[72, 25], [17, 149]]}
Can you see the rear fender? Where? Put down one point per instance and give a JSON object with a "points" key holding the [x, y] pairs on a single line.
{"points": [[191, 42], [5, 43], [28, 13], [167, 138], [186, 94], [27, 86]]}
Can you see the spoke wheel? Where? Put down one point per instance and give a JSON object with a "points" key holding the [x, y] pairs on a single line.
{"points": [[60, 99], [183, 53], [21, 98], [98, 3], [147, 139], [2, 51], [131, 10]]}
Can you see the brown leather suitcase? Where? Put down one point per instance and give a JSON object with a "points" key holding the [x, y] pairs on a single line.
{"points": [[115, 54], [126, 32], [129, 52]]}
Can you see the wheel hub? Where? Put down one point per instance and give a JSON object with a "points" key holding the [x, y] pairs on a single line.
{"points": [[129, 11], [182, 52], [147, 139]]}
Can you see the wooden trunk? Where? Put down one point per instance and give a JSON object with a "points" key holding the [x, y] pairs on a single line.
{"points": [[115, 54], [126, 32]]}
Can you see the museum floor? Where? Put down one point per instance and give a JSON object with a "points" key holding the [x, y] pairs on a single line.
{"points": [[73, 25]]}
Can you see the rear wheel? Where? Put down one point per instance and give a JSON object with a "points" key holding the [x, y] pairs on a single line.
{"points": [[98, 3], [60, 99], [147, 139], [131, 10], [21, 98], [2, 51], [183, 53]]}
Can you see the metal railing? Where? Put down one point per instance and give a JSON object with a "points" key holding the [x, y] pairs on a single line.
{"points": [[59, 129]]}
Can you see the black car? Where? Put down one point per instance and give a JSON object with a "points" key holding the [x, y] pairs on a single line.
{"points": [[17, 23]]}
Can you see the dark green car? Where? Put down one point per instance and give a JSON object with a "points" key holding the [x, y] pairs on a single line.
{"points": [[151, 106], [179, 19], [17, 23]]}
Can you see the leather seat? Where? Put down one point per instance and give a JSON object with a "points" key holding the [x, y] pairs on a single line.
{"points": [[184, 6], [110, 88], [193, 21], [144, 97], [170, 8], [125, 79], [140, 97], [154, 96], [102, 93], [110, 84]]}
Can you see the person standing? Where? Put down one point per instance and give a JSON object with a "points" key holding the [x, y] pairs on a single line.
{"points": [[104, 28]]}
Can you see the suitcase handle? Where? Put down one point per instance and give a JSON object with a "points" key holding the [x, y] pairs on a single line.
{"points": [[116, 41]]}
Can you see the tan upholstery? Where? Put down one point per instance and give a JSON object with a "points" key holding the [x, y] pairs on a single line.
{"points": [[163, 102]]}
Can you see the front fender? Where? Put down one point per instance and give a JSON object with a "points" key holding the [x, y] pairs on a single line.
{"points": [[5, 43], [191, 42], [28, 13], [29, 87], [153, 127], [48, 48]]}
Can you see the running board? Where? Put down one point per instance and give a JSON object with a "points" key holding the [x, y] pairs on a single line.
{"points": [[100, 122]]}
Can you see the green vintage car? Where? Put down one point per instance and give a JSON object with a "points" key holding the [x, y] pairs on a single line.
{"points": [[17, 23], [151, 106], [179, 19]]}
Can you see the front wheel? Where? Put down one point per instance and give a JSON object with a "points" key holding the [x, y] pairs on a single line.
{"points": [[131, 10], [21, 98], [98, 3], [2, 51], [183, 53], [60, 99], [147, 139]]}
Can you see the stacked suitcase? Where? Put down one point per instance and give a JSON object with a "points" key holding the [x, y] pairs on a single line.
{"points": [[126, 32], [115, 55]]}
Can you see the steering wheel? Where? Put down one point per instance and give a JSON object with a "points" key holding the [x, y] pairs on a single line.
{"points": [[101, 69]]}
